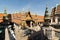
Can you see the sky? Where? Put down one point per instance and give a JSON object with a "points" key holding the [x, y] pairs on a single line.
{"points": [[35, 6]]}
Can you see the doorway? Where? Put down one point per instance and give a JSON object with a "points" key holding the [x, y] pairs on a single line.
{"points": [[28, 23]]}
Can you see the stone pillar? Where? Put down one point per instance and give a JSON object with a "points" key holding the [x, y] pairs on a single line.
{"points": [[51, 20], [31, 24], [44, 31], [56, 19], [6, 34]]}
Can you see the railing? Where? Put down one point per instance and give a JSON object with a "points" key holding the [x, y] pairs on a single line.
{"points": [[53, 23]]}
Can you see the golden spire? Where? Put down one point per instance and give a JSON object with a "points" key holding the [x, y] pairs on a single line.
{"points": [[46, 16], [5, 12]]}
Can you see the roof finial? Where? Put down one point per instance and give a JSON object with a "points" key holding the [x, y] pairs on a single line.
{"points": [[46, 16], [46, 5], [35, 14], [23, 9], [5, 12], [15, 11], [28, 9]]}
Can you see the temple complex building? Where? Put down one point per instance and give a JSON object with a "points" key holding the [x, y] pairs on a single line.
{"points": [[23, 18], [14, 26], [52, 30]]}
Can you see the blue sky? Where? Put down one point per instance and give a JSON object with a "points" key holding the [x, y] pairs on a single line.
{"points": [[35, 6]]}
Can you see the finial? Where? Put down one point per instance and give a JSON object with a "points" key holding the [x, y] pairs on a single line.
{"points": [[46, 5], [23, 9], [46, 10], [16, 11], [57, 5], [35, 14], [5, 10], [28, 9]]}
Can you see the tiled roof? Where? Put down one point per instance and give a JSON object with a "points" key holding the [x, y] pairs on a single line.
{"points": [[22, 17], [1, 17], [18, 17], [38, 18]]}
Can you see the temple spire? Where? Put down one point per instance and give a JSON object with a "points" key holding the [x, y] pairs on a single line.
{"points": [[5, 12], [46, 10], [46, 16]]}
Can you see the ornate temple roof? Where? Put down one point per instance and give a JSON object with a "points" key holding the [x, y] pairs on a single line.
{"points": [[19, 17], [46, 16], [55, 10]]}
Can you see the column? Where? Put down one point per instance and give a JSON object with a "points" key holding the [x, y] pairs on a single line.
{"points": [[44, 31], [51, 20], [56, 19], [31, 24]]}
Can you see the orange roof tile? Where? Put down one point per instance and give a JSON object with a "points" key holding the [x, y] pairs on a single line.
{"points": [[18, 17], [34, 17], [1, 17], [38, 18]]}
